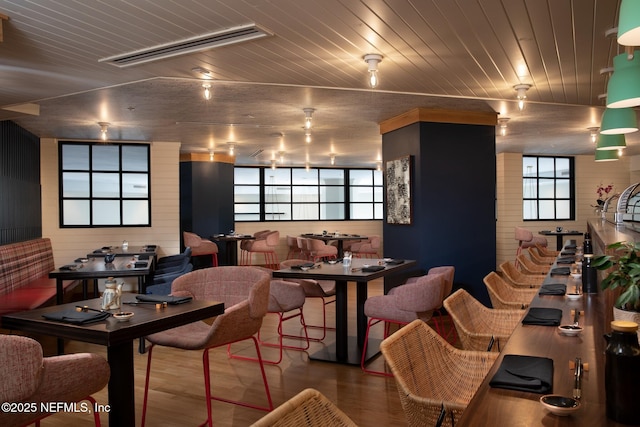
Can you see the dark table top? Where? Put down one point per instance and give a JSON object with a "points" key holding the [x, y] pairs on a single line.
{"points": [[97, 268], [230, 238], [326, 271], [151, 250], [327, 237]]}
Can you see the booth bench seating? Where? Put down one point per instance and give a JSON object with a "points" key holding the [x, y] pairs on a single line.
{"points": [[24, 275]]}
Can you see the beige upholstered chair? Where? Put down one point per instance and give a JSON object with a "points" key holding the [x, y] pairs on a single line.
{"points": [[27, 376], [480, 328], [403, 305], [308, 408], [529, 267], [319, 250], [526, 239], [520, 278], [367, 248], [505, 296], [265, 244], [294, 249], [245, 293], [200, 246], [324, 290], [432, 376]]}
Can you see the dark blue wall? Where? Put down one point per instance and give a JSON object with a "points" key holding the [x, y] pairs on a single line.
{"points": [[453, 196], [20, 204]]}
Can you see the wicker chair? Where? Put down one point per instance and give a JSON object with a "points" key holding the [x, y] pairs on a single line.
{"points": [[526, 265], [433, 376], [519, 278], [545, 251], [505, 296], [308, 408], [538, 258], [526, 239], [480, 328]]}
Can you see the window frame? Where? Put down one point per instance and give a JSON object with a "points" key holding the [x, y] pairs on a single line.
{"points": [[538, 178], [92, 172]]}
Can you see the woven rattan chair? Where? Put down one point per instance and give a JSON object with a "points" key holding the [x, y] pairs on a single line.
{"points": [[545, 251], [538, 258], [431, 375], [526, 239], [308, 408], [519, 278], [526, 265], [505, 296], [479, 327]]}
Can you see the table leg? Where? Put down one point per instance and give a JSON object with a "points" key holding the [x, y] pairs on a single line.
{"points": [[232, 252], [121, 385], [361, 319], [59, 291], [340, 248], [342, 332], [559, 242]]}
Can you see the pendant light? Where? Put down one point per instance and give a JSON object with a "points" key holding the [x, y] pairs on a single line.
{"points": [[521, 94], [618, 120], [103, 130], [623, 89], [606, 155], [373, 59], [610, 142], [629, 23]]}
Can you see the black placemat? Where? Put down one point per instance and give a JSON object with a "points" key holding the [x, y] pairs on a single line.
{"points": [[543, 316], [560, 271], [372, 268], [169, 299], [77, 317], [524, 373], [395, 261], [553, 289]]}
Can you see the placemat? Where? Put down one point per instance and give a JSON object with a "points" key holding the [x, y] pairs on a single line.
{"points": [[543, 316], [524, 373]]}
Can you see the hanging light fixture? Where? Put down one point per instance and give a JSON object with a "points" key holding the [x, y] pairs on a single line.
{"points": [[379, 165], [307, 136], [623, 89], [232, 148], [211, 154], [207, 91], [332, 158], [502, 123], [521, 94], [373, 59], [606, 155], [593, 133], [610, 142], [273, 163], [618, 120], [629, 23], [103, 130], [308, 112]]}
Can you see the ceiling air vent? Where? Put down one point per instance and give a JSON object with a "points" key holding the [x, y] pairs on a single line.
{"points": [[190, 45]]}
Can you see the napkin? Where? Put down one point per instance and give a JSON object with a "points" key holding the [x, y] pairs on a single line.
{"points": [[524, 373], [77, 317], [139, 264], [97, 251], [395, 261], [565, 260], [553, 289], [373, 268], [568, 252], [299, 266], [543, 316], [143, 256], [69, 267], [561, 271], [163, 298], [571, 246]]}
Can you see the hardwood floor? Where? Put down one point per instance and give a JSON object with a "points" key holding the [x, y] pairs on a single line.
{"points": [[176, 396]]}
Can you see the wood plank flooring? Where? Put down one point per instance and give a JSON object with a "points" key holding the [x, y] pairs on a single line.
{"points": [[176, 396]]}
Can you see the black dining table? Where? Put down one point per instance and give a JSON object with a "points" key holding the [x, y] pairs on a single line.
{"points": [[339, 238], [347, 349], [231, 245], [118, 337], [560, 235]]}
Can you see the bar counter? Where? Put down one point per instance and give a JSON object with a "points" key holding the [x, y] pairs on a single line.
{"points": [[500, 407]]}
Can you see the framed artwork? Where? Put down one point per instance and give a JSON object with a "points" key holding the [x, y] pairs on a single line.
{"points": [[398, 174]]}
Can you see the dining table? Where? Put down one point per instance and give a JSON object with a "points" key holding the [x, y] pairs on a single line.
{"points": [[337, 237], [117, 337], [348, 349], [560, 234], [231, 245], [501, 407]]}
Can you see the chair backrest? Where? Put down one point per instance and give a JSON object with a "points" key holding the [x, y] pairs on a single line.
{"points": [[272, 238], [230, 284], [191, 239], [285, 296], [375, 242], [448, 272], [504, 296], [518, 278], [423, 295], [523, 235], [260, 234], [20, 367]]}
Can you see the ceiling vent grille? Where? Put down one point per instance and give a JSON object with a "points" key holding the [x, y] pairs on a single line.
{"points": [[190, 45]]}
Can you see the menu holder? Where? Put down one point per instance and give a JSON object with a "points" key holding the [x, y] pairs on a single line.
{"points": [[543, 316], [553, 289], [524, 373], [76, 317]]}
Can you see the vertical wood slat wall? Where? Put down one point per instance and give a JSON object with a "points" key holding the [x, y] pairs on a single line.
{"points": [[20, 205]]}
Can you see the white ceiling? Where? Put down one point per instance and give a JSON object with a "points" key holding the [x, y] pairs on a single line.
{"points": [[452, 54]]}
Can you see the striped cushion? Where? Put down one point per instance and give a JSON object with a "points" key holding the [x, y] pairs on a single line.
{"points": [[24, 262]]}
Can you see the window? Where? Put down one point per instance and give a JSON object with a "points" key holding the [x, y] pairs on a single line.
{"points": [[548, 188], [104, 185], [299, 194]]}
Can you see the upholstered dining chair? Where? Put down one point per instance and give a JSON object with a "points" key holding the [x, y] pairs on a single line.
{"points": [[480, 328], [526, 265], [294, 249], [265, 244], [435, 380], [367, 248], [526, 239], [309, 408], [402, 305], [27, 376], [200, 246], [520, 278], [505, 296], [319, 250], [286, 299], [245, 293], [324, 290]]}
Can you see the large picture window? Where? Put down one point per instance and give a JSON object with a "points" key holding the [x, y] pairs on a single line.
{"points": [[104, 185], [300, 194], [548, 188]]}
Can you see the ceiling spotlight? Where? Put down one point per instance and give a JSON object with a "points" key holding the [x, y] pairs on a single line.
{"points": [[332, 157], [502, 122], [273, 163], [593, 132], [307, 117], [379, 165], [307, 166], [211, 154], [521, 94], [232, 147], [103, 130], [373, 59], [207, 91]]}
